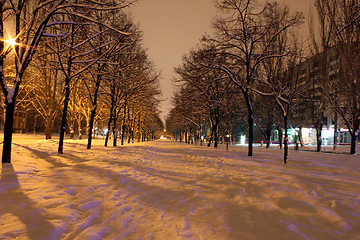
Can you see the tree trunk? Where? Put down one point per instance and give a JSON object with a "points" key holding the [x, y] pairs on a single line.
{"points": [[79, 128], [189, 136], [139, 130], [123, 125], [318, 137], [216, 134], [35, 121], [354, 142], [91, 126], [48, 134], [129, 136], [211, 137], [300, 137], [250, 118], [280, 137], [10, 105], [48, 128], [131, 130], [216, 140], [285, 140], [114, 132], [268, 137], [8, 128], [67, 93], [108, 130], [132, 135], [23, 125], [94, 103], [250, 123], [251, 132], [143, 136], [111, 112], [129, 125], [63, 121], [72, 133]]}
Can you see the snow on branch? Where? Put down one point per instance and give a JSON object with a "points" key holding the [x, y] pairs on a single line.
{"points": [[93, 61], [60, 23], [98, 22], [122, 5], [85, 61], [53, 35], [349, 24], [92, 50], [88, 39]]}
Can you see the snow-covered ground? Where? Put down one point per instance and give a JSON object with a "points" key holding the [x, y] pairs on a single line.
{"points": [[170, 190]]}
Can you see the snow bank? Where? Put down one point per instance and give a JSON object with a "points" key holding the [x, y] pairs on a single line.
{"points": [[171, 190]]}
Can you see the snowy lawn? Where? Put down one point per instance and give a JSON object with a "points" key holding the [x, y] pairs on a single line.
{"points": [[170, 190]]}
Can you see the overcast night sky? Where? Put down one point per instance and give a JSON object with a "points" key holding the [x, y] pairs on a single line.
{"points": [[171, 28]]}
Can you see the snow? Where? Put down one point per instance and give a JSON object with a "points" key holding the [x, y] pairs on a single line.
{"points": [[171, 190]]}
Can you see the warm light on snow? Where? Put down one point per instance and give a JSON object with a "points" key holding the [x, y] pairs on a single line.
{"points": [[171, 190]]}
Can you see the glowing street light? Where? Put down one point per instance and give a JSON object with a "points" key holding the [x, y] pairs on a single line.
{"points": [[11, 42], [227, 142]]}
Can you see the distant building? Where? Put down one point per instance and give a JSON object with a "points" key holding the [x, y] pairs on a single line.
{"points": [[316, 109]]}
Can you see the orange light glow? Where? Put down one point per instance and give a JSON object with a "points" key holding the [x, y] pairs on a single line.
{"points": [[11, 42]]}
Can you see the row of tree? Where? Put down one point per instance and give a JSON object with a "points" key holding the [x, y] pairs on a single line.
{"points": [[253, 68], [80, 58]]}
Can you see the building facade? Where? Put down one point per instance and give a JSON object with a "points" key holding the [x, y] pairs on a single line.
{"points": [[314, 112]]}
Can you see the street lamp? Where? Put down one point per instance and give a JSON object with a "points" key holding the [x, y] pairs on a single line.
{"points": [[227, 142], [11, 42]]}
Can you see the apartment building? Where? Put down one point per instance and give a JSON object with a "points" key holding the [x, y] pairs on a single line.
{"points": [[314, 110]]}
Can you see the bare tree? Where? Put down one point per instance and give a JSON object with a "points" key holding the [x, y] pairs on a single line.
{"points": [[280, 73], [245, 40]]}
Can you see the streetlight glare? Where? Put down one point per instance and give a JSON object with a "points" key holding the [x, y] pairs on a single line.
{"points": [[11, 42]]}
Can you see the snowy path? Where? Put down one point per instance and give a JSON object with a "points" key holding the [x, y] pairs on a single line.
{"points": [[170, 190]]}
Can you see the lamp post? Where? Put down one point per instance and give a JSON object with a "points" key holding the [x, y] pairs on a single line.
{"points": [[227, 142]]}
